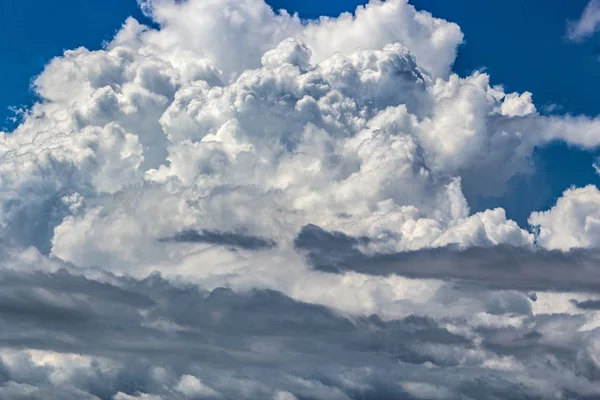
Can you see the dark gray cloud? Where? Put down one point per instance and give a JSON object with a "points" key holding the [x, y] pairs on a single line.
{"points": [[230, 239], [99, 316], [253, 344], [499, 267], [587, 305]]}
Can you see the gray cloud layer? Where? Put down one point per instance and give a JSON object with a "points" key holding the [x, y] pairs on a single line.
{"points": [[496, 267], [261, 343]]}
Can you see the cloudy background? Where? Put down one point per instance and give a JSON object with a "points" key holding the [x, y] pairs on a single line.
{"points": [[237, 203]]}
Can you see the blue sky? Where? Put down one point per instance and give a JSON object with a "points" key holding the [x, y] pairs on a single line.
{"points": [[520, 43]]}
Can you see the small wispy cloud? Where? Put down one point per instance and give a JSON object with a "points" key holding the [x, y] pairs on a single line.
{"points": [[587, 24], [596, 165]]}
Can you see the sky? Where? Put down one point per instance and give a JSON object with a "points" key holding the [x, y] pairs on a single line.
{"points": [[215, 199]]}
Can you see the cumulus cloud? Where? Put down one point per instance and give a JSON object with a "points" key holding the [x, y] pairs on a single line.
{"points": [[274, 125], [250, 153], [587, 24]]}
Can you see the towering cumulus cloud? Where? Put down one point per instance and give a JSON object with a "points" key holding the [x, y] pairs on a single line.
{"points": [[240, 204]]}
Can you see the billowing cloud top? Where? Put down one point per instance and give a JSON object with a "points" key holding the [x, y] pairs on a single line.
{"points": [[243, 204]]}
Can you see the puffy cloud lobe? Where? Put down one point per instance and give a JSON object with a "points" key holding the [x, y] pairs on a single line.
{"points": [[519, 105], [574, 222], [290, 51], [247, 29]]}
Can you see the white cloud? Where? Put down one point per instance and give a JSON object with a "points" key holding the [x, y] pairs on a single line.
{"points": [[574, 222], [312, 156], [246, 29], [191, 387], [518, 105], [284, 396], [205, 126], [587, 24]]}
